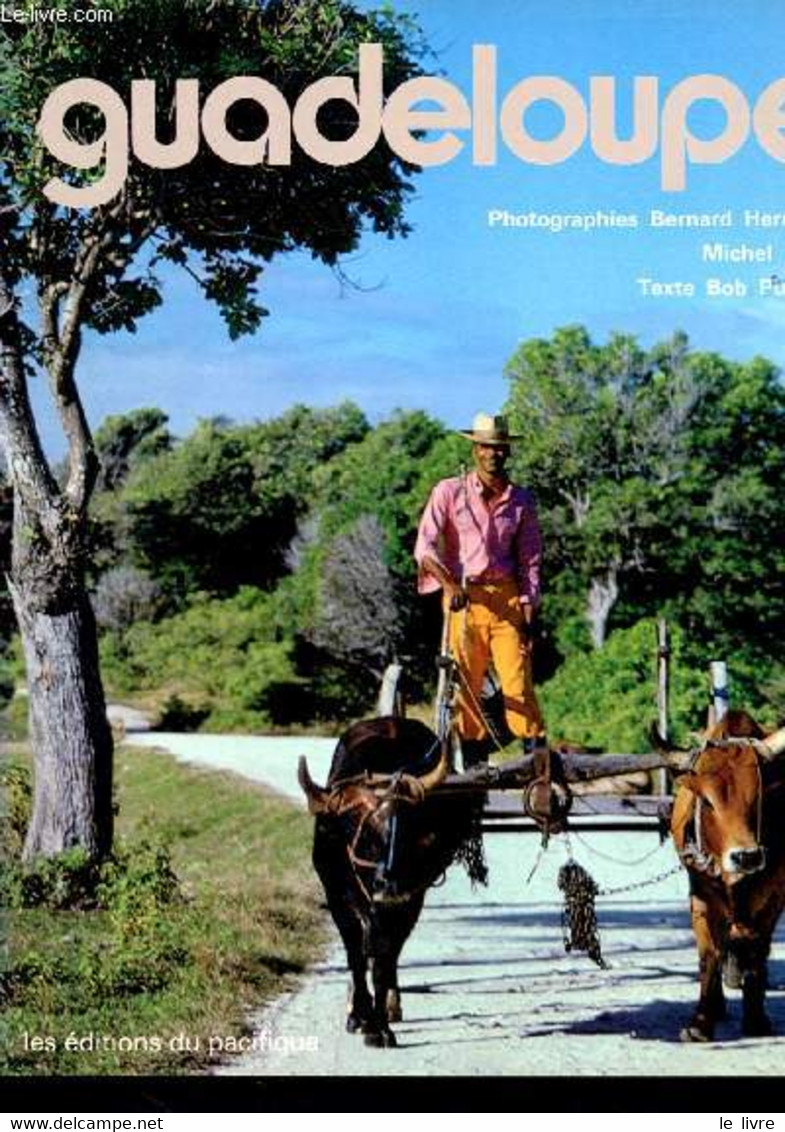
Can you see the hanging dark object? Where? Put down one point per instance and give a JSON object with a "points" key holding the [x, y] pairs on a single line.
{"points": [[579, 918]]}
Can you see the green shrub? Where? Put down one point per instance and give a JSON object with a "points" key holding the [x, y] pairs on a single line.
{"points": [[137, 880], [16, 803], [608, 698], [133, 884], [216, 655], [13, 721], [155, 957], [68, 880], [6, 682], [176, 714], [134, 889]]}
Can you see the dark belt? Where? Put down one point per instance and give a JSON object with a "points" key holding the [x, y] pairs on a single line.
{"points": [[489, 579]]}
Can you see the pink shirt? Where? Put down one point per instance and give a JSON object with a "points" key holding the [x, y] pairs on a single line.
{"points": [[476, 541]]}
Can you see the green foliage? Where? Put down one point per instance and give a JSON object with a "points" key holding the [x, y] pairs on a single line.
{"points": [[67, 880], [159, 958], [607, 697], [132, 883], [16, 803], [126, 439], [215, 654], [77, 269], [660, 479], [228, 219], [176, 714], [14, 721], [387, 476], [376, 477], [659, 476], [220, 509], [773, 690], [135, 887], [6, 682]]}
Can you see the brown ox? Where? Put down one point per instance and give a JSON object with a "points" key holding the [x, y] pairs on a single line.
{"points": [[729, 831], [381, 839]]}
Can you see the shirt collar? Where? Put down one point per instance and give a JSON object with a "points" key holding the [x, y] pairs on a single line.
{"points": [[476, 485]]}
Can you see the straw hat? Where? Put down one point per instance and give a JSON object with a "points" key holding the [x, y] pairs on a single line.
{"points": [[487, 429]]}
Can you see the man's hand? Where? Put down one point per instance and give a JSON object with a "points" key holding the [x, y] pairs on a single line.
{"points": [[527, 625], [457, 597], [527, 609]]}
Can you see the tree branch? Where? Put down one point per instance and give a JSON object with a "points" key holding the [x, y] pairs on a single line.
{"points": [[62, 314], [27, 466]]}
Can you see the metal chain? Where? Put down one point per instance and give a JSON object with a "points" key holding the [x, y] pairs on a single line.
{"points": [[615, 860], [580, 927], [634, 885]]}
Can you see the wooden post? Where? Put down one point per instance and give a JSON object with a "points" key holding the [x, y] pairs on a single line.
{"points": [[663, 686], [718, 675], [442, 661]]}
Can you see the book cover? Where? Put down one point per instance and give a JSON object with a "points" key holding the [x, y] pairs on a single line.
{"points": [[262, 263]]}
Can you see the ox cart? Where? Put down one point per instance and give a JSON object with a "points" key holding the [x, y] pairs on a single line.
{"points": [[396, 812], [614, 793]]}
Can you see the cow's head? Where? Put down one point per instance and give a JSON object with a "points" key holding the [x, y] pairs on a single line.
{"points": [[717, 821], [374, 821], [727, 793]]}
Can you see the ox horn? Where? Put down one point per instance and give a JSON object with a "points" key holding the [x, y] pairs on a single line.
{"points": [[316, 795], [438, 774], [772, 746]]}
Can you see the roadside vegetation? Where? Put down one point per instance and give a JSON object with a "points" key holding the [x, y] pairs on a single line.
{"points": [[206, 908], [259, 577]]}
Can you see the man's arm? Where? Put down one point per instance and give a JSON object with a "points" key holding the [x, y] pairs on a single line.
{"points": [[454, 592], [430, 536], [528, 549]]}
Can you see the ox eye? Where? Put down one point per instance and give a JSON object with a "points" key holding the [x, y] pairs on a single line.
{"points": [[706, 803]]}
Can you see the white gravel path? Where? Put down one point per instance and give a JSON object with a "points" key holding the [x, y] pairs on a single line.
{"points": [[487, 986]]}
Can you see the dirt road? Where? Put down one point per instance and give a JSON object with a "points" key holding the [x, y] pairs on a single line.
{"points": [[487, 986]]}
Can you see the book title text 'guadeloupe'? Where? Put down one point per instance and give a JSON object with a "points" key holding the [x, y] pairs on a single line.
{"points": [[401, 118]]}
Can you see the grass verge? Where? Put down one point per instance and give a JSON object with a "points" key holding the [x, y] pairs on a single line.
{"points": [[147, 985]]}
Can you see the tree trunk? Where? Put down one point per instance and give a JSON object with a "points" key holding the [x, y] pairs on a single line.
{"points": [[69, 733], [603, 593]]}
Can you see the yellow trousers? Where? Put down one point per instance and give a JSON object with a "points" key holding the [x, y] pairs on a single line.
{"points": [[489, 628]]}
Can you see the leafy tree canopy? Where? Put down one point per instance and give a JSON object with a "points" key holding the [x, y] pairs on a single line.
{"points": [[64, 271], [220, 509], [127, 438], [660, 479], [206, 215]]}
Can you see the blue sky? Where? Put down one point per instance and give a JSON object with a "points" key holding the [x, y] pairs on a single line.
{"points": [[439, 314]]}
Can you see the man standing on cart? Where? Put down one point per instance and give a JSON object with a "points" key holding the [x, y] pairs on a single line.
{"points": [[479, 541]]}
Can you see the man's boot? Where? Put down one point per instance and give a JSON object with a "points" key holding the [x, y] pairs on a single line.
{"points": [[534, 743], [475, 752]]}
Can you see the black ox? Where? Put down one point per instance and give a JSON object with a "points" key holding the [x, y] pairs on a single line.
{"points": [[381, 840]]}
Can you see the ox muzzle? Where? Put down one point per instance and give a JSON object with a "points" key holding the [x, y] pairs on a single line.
{"points": [[739, 862]]}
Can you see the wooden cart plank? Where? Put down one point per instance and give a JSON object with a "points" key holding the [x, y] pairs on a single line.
{"points": [[507, 805]]}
